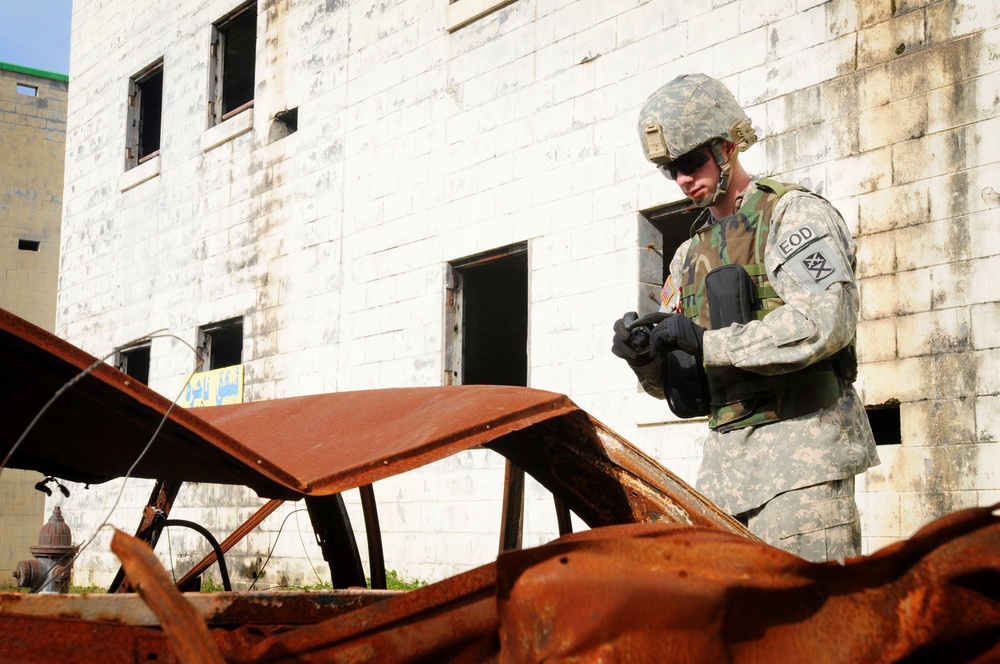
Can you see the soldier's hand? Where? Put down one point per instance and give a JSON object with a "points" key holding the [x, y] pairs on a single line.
{"points": [[623, 345], [677, 332], [632, 335]]}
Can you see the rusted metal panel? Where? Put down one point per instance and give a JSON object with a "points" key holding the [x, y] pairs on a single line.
{"points": [[453, 620], [682, 594], [218, 609], [334, 442], [604, 479]]}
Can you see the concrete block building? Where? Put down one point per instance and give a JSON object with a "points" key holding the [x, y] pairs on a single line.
{"points": [[32, 146], [349, 194]]}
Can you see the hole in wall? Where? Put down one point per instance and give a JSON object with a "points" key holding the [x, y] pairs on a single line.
{"points": [[885, 423], [285, 122]]}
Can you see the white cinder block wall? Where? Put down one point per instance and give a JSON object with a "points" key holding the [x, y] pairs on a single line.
{"points": [[417, 146]]}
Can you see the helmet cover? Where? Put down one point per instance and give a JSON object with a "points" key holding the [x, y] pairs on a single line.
{"points": [[691, 111]]}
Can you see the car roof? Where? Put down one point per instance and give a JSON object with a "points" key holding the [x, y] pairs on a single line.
{"points": [[88, 422], [309, 445]]}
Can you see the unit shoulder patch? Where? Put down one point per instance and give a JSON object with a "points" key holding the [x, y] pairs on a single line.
{"points": [[818, 266]]}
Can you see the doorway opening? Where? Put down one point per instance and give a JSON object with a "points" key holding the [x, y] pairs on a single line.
{"points": [[487, 319]]}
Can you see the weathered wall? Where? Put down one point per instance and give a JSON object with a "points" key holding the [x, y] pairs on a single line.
{"points": [[32, 144], [416, 146]]}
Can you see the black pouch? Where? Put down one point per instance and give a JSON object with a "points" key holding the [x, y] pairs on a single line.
{"points": [[732, 297]]}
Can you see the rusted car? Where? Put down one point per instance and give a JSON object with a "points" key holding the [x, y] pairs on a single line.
{"points": [[661, 575]]}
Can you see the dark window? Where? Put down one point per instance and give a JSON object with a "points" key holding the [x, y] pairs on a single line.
{"points": [[134, 361], [28, 245], [234, 54], [885, 423], [488, 317], [222, 344], [145, 109]]}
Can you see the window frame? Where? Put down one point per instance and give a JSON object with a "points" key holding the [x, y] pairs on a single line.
{"points": [[218, 110], [126, 354], [141, 111], [207, 338]]}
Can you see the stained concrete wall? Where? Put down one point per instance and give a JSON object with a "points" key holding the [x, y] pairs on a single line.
{"points": [[417, 145], [32, 145]]}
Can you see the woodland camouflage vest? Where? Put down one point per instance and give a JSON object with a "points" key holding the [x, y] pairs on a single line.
{"points": [[742, 398]]}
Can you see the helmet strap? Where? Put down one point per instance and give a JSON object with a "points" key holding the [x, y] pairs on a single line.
{"points": [[725, 172]]}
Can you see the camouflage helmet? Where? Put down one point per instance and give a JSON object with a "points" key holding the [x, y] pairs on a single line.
{"points": [[691, 111]]}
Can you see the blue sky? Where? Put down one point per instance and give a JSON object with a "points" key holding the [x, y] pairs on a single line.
{"points": [[35, 33]]}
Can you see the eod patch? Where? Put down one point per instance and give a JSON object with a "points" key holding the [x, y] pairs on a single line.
{"points": [[812, 258]]}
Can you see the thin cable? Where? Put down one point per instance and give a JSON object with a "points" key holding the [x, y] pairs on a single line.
{"points": [[305, 551], [260, 572]]}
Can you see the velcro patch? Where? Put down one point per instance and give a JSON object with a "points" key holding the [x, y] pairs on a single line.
{"points": [[819, 266], [791, 243]]}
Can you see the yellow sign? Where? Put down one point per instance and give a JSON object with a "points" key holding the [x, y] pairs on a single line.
{"points": [[214, 388]]}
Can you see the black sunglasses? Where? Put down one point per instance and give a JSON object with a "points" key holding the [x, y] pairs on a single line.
{"points": [[688, 163]]}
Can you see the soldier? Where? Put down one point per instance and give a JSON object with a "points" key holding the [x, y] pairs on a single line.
{"points": [[756, 331]]}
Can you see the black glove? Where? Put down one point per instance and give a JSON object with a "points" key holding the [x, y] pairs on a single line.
{"points": [[677, 332], [632, 334]]}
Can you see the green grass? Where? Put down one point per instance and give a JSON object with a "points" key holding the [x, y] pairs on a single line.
{"points": [[393, 582]]}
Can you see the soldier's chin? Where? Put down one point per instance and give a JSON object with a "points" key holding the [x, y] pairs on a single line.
{"points": [[698, 196]]}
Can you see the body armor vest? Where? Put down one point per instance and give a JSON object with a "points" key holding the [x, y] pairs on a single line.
{"points": [[741, 398]]}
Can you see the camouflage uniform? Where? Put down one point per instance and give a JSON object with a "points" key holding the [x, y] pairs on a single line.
{"points": [[789, 477], [745, 470]]}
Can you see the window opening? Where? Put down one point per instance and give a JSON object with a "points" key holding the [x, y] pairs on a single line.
{"points": [[234, 54], [661, 231], [488, 319], [28, 245], [222, 344], [29, 90], [145, 108], [885, 423], [134, 361]]}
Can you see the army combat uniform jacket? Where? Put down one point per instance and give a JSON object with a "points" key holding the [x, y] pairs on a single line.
{"points": [[809, 260]]}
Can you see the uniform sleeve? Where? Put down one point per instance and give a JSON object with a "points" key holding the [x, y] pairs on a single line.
{"points": [[809, 258]]}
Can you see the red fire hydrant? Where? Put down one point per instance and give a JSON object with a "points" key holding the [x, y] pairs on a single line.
{"points": [[49, 572]]}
